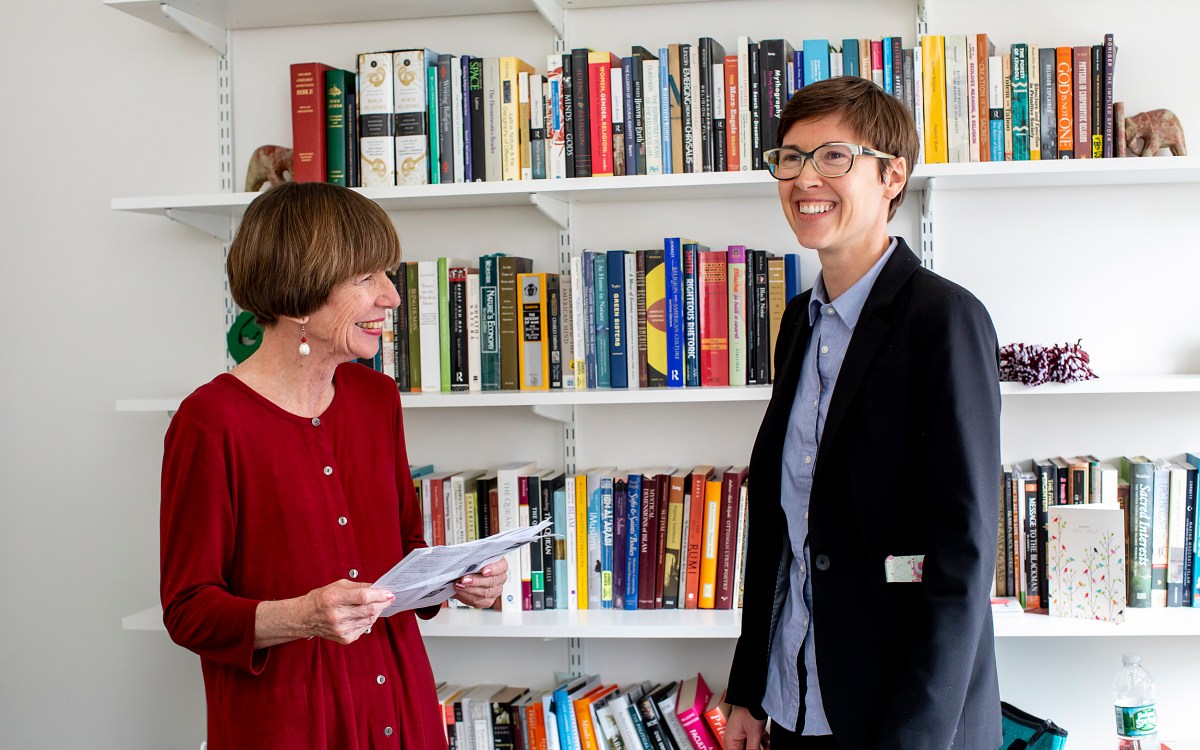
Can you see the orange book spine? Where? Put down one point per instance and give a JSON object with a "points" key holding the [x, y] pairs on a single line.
{"points": [[1066, 107]]}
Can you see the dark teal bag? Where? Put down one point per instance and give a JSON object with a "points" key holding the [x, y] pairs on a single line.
{"points": [[1024, 731]]}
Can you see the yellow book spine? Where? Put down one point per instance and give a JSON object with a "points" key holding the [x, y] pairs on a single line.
{"points": [[933, 79], [656, 323], [708, 553], [581, 546], [533, 358]]}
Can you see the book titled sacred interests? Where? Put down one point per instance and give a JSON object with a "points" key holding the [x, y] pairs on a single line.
{"points": [[1086, 566]]}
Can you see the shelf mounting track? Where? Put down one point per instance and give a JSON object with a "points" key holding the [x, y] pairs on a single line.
{"points": [[927, 223]]}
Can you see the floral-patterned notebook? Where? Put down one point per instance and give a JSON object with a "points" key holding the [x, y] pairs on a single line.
{"points": [[1085, 564]]}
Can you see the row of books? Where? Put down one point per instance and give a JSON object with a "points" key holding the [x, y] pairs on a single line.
{"points": [[414, 116], [1028, 103], [583, 713], [682, 315], [646, 538], [1156, 500]]}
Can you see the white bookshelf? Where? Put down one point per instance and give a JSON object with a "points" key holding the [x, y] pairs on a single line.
{"points": [[200, 211], [721, 624]]}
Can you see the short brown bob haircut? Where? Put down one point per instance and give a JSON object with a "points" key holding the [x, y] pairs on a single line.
{"points": [[879, 119], [298, 241]]}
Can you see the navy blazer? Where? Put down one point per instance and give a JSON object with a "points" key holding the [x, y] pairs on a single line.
{"points": [[908, 464]]}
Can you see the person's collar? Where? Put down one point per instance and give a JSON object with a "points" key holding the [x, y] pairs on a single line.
{"points": [[850, 304]]}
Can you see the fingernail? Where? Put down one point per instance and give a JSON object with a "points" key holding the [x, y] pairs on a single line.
{"points": [[459, 585], [390, 596], [487, 571]]}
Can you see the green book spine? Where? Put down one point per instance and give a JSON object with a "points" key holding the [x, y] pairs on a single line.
{"points": [[1020, 101], [600, 281], [489, 323], [434, 154], [337, 85], [414, 329], [444, 320]]}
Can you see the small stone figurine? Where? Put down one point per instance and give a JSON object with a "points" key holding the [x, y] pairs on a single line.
{"points": [[1146, 133], [271, 164]]}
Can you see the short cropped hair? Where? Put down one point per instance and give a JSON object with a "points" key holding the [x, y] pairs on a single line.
{"points": [[299, 240], [881, 120]]}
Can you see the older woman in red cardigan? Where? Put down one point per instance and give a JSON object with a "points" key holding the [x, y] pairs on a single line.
{"points": [[286, 490]]}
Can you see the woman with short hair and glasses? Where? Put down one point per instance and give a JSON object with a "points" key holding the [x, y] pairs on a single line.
{"points": [[872, 531]]}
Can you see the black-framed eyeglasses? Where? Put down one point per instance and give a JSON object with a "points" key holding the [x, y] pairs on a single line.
{"points": [[830, 159]]}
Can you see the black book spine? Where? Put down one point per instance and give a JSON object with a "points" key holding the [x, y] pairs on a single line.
{"points": [[468, 134], [351, 119], [762, 317], [568, 105], [637, 102], [755, 96], [537, 564], [706, 103], [445, 96], [546, 503], [400, 329], [582, 122], [478, 133], [1097, 101], [458, 330]]}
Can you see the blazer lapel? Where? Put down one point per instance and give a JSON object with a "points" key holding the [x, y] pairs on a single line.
{"points": [[787, 371], [869, 334]]}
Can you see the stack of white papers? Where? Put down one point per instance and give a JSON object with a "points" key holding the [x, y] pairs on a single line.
{"points": [[426, 576]]}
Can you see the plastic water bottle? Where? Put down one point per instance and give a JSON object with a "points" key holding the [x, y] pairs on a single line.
{"points": [[1133, 704]]}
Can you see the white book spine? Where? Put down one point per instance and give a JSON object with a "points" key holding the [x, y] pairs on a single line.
{"points": [[551, 724], [666, 707], [491, 119], [919, 103], [456, 530], [523, 125], [616, 88], [745, 144], [412, 121], [427, 313], [620, 711], [651, 117], [572, 555], [523, 551], [456, 121], [556, 158], [508, 499], [566, 298], [835, 64], [973, 96], [377, 153], [630, 318], [474, 349], [386, 342], [537, 124], [957, 143]]}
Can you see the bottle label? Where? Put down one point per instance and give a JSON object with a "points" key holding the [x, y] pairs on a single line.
{"points": [[1136, 721]]}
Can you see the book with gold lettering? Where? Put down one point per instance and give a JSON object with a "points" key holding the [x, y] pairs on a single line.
{"points": [[376, 133], [411, 105], [308, 121]]}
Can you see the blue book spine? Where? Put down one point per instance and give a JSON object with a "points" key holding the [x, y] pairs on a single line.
{"points": [[468, 166], [791, 270], [600, 293], [691, 322], [559, 525], [996, 138], [589, 313], [617, 326], [673, 265], [664, 105], [562, 715], [633, 530], [816, 60], [887, 65], [606, 542], [620, 539], [850, 57], [1194, 460], [798, 79]]}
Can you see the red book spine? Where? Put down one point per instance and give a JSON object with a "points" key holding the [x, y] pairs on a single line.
{"points": [[649, 542], [727, 536], [713, 298], [600, 96], [732, 112], [308, 122], [437, 508], [691, 572], [1082, 57], [660, 551]]}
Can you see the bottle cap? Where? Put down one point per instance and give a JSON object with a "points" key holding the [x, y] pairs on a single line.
{"points": [[1130, 659]]}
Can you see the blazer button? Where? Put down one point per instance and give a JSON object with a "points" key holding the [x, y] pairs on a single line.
{"points": [[822, 562]]}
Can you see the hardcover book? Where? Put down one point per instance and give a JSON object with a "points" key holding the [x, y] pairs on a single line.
{"points": [[1087, 562], [308, 122], [376, 128]]}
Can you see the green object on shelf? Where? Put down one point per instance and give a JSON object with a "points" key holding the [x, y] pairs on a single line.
{"points": [[244, 337]]}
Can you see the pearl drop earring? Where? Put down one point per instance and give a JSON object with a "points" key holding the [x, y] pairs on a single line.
{"points": [[305, 350]]}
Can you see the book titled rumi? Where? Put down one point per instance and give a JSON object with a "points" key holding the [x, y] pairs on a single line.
{"points": [[1086, 562]]}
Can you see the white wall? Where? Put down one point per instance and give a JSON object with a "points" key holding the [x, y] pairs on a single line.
{"points": [[101, 306], [98, 306]]}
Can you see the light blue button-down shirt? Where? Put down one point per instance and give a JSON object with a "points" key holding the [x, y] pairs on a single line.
{"points": [[832, 326]]}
